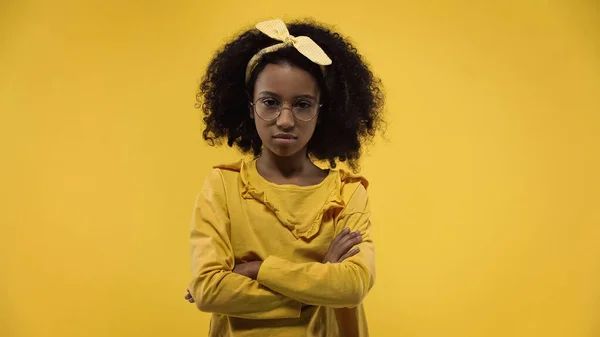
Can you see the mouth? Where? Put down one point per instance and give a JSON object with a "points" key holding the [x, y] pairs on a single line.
{"points": [[284, 136]]}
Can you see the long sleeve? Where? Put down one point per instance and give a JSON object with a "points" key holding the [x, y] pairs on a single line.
{"points": [[334, 285], [214, 286]]}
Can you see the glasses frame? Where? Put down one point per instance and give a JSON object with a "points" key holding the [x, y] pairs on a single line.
{"points": [[319, 106]]}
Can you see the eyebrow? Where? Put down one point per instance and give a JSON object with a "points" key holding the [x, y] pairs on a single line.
{"points": [[278, 96]]}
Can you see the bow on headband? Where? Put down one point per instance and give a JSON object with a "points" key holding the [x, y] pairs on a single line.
{"points": [[277, 30]]}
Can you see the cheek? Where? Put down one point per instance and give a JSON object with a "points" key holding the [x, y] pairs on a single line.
{"points": [[260, 127], [309, 130]]}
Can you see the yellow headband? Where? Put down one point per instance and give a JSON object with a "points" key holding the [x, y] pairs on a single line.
{"points": [[277, 30]]}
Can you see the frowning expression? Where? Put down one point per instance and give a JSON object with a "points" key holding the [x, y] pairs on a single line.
{"points": [[285, 107]]}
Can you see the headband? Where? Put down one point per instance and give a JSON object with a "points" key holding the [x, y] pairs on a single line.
{"points": [[277, 30]]}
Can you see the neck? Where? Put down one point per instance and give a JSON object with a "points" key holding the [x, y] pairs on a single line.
{"points": [[285, 166]]}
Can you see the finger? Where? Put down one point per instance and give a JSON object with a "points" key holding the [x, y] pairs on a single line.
{"points": [[344, 242], [341, 235], [333, 252], [347, 245], [349, 254], [346, 237], [337, 248]]}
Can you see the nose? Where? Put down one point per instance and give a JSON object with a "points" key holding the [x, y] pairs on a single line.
{"points": [[286, 118]]}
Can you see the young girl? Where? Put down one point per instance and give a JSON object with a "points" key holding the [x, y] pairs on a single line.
{"points": [[281, 247]]}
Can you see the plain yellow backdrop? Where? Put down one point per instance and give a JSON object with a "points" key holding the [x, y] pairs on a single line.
{"points": [[485, 191]]}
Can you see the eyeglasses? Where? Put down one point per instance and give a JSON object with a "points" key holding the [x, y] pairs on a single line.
{"points": [[269, 109]]}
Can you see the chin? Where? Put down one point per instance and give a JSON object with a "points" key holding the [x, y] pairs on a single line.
{"points": [[284, 151]]}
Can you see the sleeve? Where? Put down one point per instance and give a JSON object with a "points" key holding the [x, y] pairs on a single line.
{"points": [[336, 285], [214, 286]]}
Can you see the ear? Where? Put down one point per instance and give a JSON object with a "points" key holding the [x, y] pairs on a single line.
{"points": [[251, 110]]}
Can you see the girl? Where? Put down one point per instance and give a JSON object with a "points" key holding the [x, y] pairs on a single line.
{"points": [[279, 246]]}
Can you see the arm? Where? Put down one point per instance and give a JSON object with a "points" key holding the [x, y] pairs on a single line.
{"points": [[214, 287], [335, 285]]}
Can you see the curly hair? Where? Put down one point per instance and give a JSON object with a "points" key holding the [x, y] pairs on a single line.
{"points": [[351, 95]]}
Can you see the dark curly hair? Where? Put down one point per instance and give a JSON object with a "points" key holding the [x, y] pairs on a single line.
{"points": [[351, 95]]}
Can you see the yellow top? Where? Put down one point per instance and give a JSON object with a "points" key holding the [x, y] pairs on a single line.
{"points": [[239, 217]]}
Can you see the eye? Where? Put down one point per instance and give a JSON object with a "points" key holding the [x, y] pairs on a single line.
{"points": [[269, 102], [304, 104]]}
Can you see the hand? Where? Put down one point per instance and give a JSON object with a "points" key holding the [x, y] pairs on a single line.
{"points": [[248, 269], [339, 249], [188, 297]]}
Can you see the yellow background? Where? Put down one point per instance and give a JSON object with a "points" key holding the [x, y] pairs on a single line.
{"points": [[485, 190]]}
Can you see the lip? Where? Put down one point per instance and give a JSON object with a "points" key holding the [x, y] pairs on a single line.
{"points": [[284, 139], [284, 136]]}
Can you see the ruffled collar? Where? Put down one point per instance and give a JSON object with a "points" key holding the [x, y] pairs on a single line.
{"points": [[333, 202]]}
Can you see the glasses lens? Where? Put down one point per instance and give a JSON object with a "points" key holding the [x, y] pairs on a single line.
{"points": [[305, 109], [267, 108]]}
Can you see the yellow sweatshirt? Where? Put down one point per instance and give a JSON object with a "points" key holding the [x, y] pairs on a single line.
{"points": [[239, 217]]}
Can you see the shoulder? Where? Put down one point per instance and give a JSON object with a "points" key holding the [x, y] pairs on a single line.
{"points": [[231, 167], [352, 183], [353, 191], [228, 171], [223, 174]]}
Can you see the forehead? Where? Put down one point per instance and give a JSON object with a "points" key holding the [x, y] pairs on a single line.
{"points": [[286, 80]]}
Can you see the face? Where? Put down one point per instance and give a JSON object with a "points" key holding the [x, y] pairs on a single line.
{"points": [[287, 87]]}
